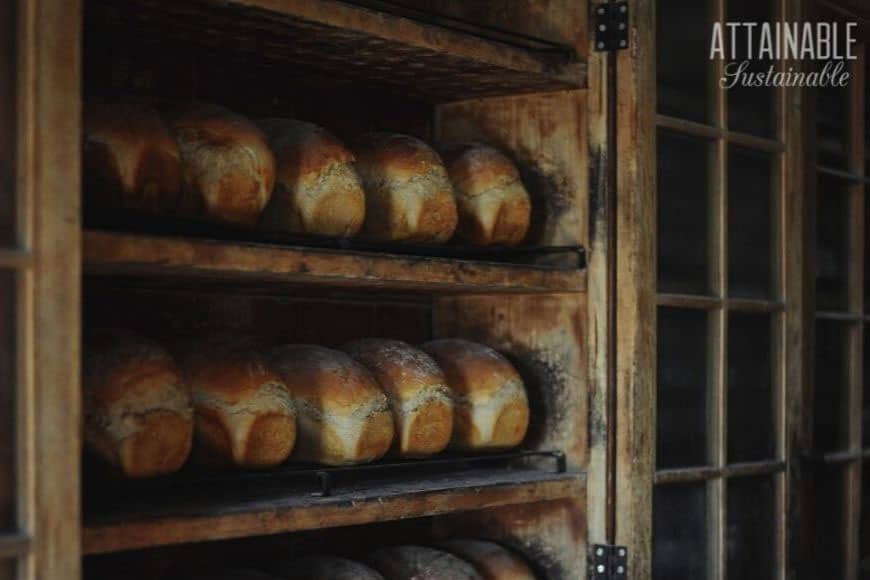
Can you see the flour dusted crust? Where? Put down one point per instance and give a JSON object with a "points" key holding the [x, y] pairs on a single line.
{"points": [[408, 192], [418, 393], [317, 189], [244, 412], [421, 563], [491, 405], [494, 207], [344, 416], [138, 413], [130, 160], [492, 561], [228, 170], [327, 568]]}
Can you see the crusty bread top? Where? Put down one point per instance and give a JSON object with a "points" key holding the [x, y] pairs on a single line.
{"points": [[122, 366], [472, 369], [327, 568], [327, 378], [475, 169], [231, 376], [396, 157], [303, 151], [401, 369], [492, 561], [422, 563]]}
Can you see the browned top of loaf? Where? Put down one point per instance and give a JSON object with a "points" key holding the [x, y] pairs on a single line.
{"points": [[117, 362], [395, 156], [135, 124], [422, 563], [216, 125], [225, 373], [471, 368], [302, 150], [492, 561], [327, 377], [328, 568], [399, 367], [476, 168]]}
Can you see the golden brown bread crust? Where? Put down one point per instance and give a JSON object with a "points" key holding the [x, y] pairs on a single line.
{"points": [[490, 401], [421, 563], [317, 189], [138, 413], [344, 416], [228, 170], [492, 561], [418, 393], [494, 207], [129, 159], [408, 193], [244, 412], [327, 568]]}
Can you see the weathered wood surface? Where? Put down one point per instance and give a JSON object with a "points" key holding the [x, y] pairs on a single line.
{"points": [[635, 292], [215, 518], [163, 257], [49, 97]]}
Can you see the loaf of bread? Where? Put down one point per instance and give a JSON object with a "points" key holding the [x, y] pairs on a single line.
{"points": [[492, 561], [244, 413], [417, 390], [494, 207], [326, 568], [344, 417], [492, 409], [408, 193], [129, 160], [228, 170], [421, 563], [317, 190], [137, 409]]}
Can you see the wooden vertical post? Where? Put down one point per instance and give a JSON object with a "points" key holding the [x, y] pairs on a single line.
{"points": [[635, 290]]}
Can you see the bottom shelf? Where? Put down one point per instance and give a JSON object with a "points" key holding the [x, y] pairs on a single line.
{"points": [[132, 519]]}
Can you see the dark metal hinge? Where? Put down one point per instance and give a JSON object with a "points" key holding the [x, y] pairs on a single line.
{"points": [[608, 562], [611, 26]]}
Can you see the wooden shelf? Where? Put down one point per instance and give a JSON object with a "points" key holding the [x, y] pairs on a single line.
{"points": [[167, 261], [430, 60], [179, 519]]}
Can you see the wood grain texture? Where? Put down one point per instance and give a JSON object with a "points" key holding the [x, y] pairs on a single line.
{"points": [[49, 139], [217, 518], [635, 295], [160, 257]]}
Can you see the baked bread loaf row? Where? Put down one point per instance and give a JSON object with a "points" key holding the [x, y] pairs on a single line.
{"points": [[294, 176]]}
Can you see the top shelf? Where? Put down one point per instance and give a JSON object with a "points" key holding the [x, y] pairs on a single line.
{"points": [[434, 62]]}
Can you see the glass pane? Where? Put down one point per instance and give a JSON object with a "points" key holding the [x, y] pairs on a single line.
{"points": [[750, 394], [750, 185], [831, 112], [7, 400], [830, 429], [7, 124], [682, 59], [832, 245], [683, 181], [682, 388], [750, 109], [751, 532], [680, 532], [826, 524]]}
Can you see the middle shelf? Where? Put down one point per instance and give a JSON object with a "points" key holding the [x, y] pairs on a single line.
{"points": [[277, 506], [165, 259]]}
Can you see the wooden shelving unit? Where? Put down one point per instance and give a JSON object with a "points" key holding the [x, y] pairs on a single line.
{"points": [[166, 260], [278, 509]]}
